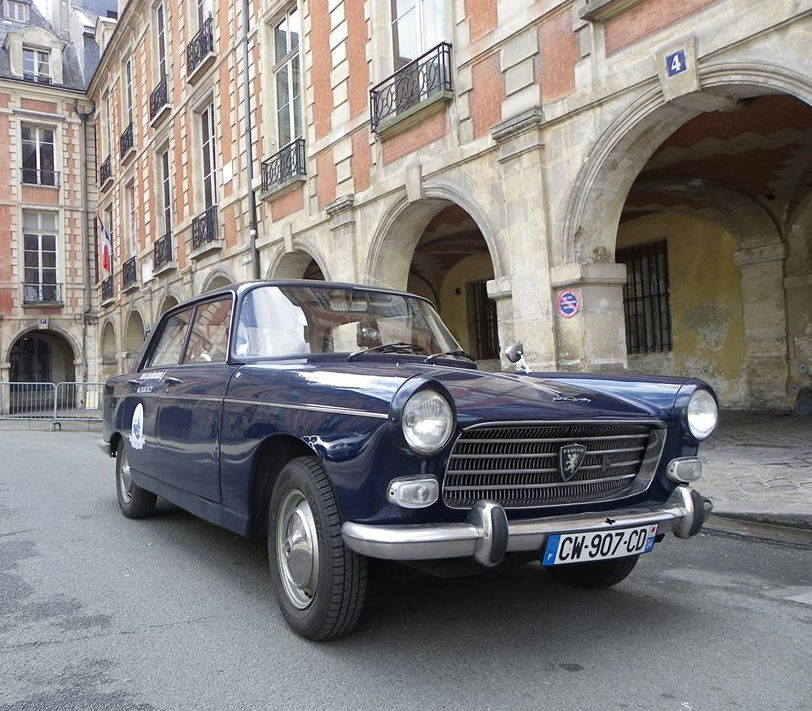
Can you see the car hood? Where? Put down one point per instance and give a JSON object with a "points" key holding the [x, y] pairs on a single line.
{"points": [[478, 396]]}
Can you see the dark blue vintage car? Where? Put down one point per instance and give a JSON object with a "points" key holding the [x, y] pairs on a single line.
{"points": [[345, 423]]}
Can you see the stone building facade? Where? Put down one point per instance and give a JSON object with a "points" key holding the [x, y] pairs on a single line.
{"points": [[618, 184], [47, 248]]}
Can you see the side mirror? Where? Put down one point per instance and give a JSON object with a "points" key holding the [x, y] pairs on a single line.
{"points": [[514, 352]]}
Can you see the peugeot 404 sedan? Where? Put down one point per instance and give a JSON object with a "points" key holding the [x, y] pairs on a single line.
{"points": [[345, 423]]}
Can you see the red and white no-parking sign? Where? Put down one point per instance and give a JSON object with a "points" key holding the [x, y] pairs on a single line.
{"points": [[568, 303]]}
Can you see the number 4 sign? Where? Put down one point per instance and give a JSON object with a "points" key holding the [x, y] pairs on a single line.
{"points": [[675, 63]]}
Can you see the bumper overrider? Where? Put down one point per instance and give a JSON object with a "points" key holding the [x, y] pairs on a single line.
{"points": [[487, 535]]}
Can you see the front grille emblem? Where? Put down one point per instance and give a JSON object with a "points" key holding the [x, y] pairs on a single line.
{"points": [[570, 458]]}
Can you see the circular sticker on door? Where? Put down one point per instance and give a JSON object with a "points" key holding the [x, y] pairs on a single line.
{"points": [[137, 427]]}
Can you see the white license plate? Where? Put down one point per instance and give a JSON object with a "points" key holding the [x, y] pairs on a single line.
{"points": [[564, 548]]}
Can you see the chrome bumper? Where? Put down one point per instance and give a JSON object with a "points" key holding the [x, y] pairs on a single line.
{"points": [[487, 535]]}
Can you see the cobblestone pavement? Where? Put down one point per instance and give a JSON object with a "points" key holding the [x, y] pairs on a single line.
{"points": [[759, 466]]}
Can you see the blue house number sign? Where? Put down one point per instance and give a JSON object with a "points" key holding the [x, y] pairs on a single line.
{"points": [[675, 63]]}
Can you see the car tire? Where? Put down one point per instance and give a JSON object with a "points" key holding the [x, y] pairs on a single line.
{"points": [[133, 501], [595, 576], [319, 582]]}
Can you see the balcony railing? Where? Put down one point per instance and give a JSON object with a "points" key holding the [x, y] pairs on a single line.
{"points": [[202, 44], [126, 142], [42, 293], [38, 78], [32, 176], [284, 165], [411, 85], [107, 288], [158, 98], [204, 228], [106, 171], [129, 272], [162, 251]]}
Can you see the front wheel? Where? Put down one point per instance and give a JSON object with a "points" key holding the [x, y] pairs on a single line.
{"points": [[596, 576], [133, 501], [319, 582]]}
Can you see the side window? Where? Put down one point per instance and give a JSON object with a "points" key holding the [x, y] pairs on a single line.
{"points": [[170, 346], [208, 342]]}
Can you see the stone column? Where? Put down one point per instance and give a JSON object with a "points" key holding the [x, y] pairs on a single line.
{"points": [[501, 291], [594, 338], [526, 302], [765, 325], [342, 225]]}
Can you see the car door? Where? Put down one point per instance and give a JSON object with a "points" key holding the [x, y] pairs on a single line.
{"points": [[141, 407], [191, 405]]}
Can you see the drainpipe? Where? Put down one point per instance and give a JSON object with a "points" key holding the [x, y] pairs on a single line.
{"points": [[249, 149], [86, 314]]}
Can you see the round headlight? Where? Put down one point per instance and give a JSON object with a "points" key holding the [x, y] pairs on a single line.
{"points": [[427, 421], [702, 414]]}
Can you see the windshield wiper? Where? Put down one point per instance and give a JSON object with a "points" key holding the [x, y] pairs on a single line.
{"points": [[399, 347], [435, 356]]}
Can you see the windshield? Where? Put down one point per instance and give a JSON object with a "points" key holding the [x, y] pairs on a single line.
{"points": [[291, 321]]}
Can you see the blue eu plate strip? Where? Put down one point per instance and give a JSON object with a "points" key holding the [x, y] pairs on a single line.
{"points": [[552, 548]]}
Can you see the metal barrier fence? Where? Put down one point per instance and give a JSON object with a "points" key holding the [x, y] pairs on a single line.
{"points": [[51, 402]]}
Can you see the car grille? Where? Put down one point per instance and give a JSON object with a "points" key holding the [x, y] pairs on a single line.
{"points": [[517, 465]]}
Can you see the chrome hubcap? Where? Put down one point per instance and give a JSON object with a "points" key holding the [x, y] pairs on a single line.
{"points": [[125, 479], [297, 549]]}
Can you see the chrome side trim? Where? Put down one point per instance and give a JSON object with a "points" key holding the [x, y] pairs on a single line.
{"points": [[473, 538], [310, 407]]}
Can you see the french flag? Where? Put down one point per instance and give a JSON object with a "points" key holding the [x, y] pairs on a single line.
{"points": [[105, 246]]}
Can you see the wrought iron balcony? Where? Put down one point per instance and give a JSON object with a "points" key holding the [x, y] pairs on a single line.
{"points": [[126, 141], [204, 228], [162, 251], [32, 176], [284, 165], [158, 98], [107, 288], [411, 85], [35, 293], [200, 47], [38, 78], [129, 272], [105, 172]]}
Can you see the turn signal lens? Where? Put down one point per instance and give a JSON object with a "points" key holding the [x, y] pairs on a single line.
{"points": [[412, 493], [702, 414], [684, 469]]}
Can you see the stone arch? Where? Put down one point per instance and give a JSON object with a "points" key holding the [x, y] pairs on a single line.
{"points": [[401, 226], [294, 264], [169, 302], [619, 154], [109, 349], [217, 279], [43, 355], [134, 338], [67, 336]]}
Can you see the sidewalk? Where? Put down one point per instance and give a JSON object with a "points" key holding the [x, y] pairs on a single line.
{"points": [[759, 466]]}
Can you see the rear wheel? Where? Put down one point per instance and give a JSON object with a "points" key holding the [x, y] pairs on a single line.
{"points": [[596, 576], [319, 582], [133, 501]]}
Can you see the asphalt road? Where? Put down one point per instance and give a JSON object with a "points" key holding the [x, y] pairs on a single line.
{"points": [[100, 612]]}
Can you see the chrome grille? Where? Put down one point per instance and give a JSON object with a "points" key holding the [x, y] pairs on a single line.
{"points": [[517, 465]]}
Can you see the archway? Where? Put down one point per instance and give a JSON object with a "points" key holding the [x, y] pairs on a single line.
{"points": [[41, 357], [134, 337], [109, 350], [170, 302], [298, 264], [217, 280], [704, 232]]}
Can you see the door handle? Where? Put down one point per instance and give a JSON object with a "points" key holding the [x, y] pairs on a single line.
{"points": [[172, 380]]}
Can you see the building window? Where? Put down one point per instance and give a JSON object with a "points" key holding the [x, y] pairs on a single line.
{"points": [[160, 41], [39, 254], [203, 12], [208, 156], [417, 26], [16, 11], [484, 325], [165, 192], [128, 91], [36, 65], [286, 35], [132, 219], [107, 135], [646, 298], [38, 155]]}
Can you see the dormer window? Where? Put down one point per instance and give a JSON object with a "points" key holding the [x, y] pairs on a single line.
{"points": [[36, 65], [15, 11]]}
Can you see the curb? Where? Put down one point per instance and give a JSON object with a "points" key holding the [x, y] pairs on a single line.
{"points": [[775, 518]]}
